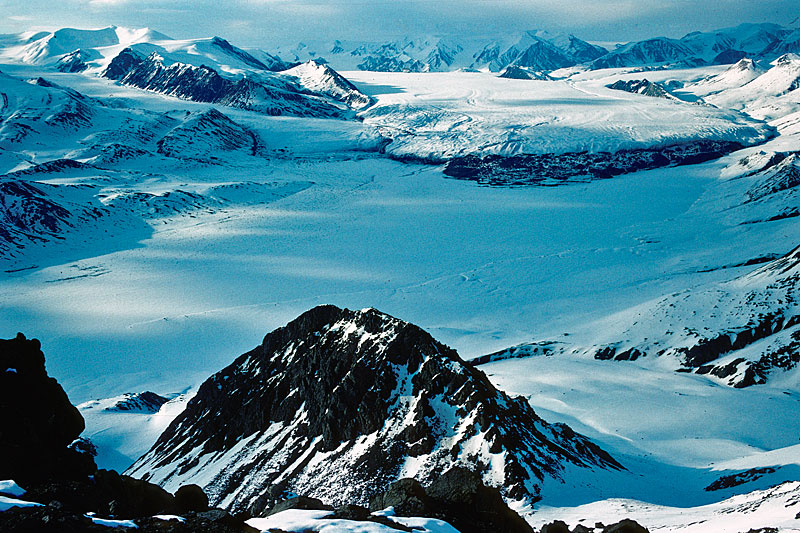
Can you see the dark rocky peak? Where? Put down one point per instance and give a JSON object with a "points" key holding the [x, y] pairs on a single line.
{"points": [[644, 87], [75, 61], [338, 404], [649, 52], [139, 402], [514, 72], [122, 63], [271, 95], [542, 55], [583, 51]]}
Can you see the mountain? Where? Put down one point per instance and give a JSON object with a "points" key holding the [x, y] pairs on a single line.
{"points": [[34, 214], [322, 79], [209, 132], [535, 49], [514, 72], [738, 332], [656, 51], [96, 48], [38, 107], [339, 403], [728, 45], [542, 51], [751, 39], [139, 402], [271, 95], [54, 47], [771, 94], [643, 87], [743, 72]]}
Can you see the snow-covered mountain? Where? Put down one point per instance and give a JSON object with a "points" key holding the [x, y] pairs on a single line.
{"points": [[769, 95], [739, 331], [386, 401], [272, 96], [741, 73], [204, 70], [322, 79], [536, 49], [763, 41]]}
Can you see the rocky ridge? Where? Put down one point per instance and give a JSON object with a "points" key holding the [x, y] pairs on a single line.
{"points": [[339, 403]]}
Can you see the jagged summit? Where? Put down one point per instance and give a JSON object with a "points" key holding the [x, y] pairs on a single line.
{"points": [[339, 403]]}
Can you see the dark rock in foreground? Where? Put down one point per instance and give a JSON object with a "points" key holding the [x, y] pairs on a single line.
{"points": [[40, 450], [37, 421], [458, 497]]}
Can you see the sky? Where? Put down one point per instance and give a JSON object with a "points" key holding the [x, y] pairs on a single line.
{"points": [[260, 22]]}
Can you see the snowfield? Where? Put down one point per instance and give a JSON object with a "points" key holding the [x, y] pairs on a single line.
{"points": [[438, 116], [177, 233]]}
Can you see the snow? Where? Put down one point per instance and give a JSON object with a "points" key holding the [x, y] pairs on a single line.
{"points": [[114, 523], [770, 508], [10, 488], [301, 520], [7, 503], [438, 116], [122, 436]]}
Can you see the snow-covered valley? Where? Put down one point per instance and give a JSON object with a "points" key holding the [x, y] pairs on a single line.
{"points": [[152, 234]]}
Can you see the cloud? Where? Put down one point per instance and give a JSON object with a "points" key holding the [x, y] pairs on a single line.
{"points": [[261, 22]]}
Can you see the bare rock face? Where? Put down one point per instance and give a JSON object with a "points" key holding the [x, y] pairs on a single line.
{"points": [[37, 421], [339, 404]]}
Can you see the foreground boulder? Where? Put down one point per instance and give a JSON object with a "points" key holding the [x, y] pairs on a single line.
{"points": [[339, 404], [458, 497], [41, 450], [37, 421]]}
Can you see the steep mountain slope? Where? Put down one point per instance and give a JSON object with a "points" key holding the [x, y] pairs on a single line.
{"points": [[750, 39], [271, 96], [339, 403], [39, 108], [34, 214], [322, 79], [739, 331]]}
